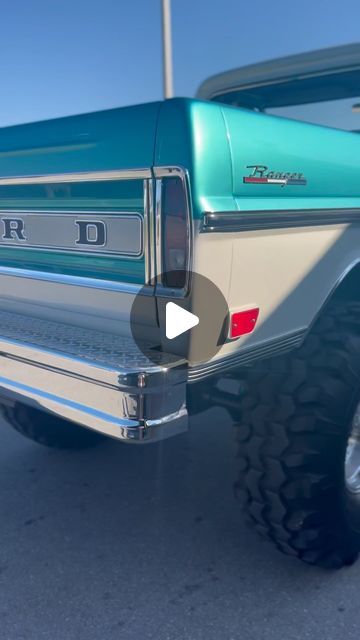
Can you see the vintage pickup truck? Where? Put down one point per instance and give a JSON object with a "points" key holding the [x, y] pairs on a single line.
{"points": [[248, 221]]}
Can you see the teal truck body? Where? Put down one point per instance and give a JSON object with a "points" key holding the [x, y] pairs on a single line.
{"points": [[214, 142], [98, 210]]}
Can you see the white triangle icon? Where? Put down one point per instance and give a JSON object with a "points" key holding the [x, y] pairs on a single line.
{"points": [[178, 320]]}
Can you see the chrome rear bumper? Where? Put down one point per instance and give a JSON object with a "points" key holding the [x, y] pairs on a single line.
{"points": [[99, 380]]}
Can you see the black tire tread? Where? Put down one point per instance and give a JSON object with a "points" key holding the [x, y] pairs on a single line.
{"points": [[295, 418]]}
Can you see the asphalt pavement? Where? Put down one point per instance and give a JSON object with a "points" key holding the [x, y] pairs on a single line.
{"points": [[148, 542]]}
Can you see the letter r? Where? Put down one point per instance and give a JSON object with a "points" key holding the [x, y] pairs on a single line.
{"points": [[258, 170], [13, 228]]}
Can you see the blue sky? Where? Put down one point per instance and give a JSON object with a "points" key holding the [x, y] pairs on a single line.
{"points": [[60, 58]]}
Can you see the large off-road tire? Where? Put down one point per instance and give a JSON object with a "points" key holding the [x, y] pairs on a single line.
{"points": [[48, 429], [300, 422]]}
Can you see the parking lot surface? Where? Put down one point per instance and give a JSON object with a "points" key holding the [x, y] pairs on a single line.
{"points": [[148, 542]]}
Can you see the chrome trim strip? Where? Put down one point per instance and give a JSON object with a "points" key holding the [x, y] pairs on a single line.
{"points": [[151, 236], [238, 221], [247, 355], [83, 176], [78, 281], [158, 231], [169, 171], [146, 223]]}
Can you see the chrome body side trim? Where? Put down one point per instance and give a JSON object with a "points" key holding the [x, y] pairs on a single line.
{"points": [[247, 355], [237, 221], [83, 176]]}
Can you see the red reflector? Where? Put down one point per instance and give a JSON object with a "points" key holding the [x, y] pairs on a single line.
{"points": [[242, 322]]}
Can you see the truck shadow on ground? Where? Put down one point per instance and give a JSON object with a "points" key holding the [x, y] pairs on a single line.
{"points": [[147, 540]]}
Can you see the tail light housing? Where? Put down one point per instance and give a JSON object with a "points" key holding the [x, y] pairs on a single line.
{"points": [[175, 233]]}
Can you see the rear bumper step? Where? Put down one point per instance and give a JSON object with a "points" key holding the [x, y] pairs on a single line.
{"points": [[99, 380]]}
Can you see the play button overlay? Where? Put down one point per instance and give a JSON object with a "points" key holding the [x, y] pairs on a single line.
{"points": [[190, 325], [178, 320]]}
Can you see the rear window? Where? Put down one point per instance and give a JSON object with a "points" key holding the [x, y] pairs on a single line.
{"points": [[340, 114]]}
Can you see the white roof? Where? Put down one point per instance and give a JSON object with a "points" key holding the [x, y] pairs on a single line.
{"points": [[231, 86]]}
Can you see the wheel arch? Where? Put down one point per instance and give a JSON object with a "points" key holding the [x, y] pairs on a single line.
{"points": [[346, 287]]}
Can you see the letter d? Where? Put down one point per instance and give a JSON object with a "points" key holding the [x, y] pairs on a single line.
{"points": [[91, 232]]}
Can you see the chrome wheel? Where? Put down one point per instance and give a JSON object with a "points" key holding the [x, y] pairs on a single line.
{"points": [[352, 459]]}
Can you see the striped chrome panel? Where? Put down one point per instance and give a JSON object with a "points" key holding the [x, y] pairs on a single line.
{"points": [[247, 355]]}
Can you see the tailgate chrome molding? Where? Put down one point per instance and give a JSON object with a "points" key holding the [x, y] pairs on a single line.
{"points": [[78, 176]]}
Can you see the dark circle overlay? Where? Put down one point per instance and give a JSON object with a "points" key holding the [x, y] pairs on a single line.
{"points": [[197, 345]]}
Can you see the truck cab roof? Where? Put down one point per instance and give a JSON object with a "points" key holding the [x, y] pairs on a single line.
{"points": [[315, 76]]}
